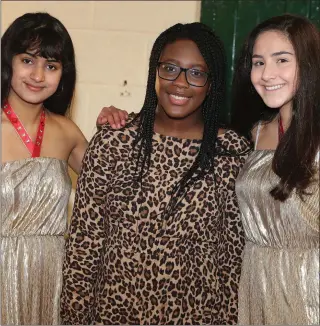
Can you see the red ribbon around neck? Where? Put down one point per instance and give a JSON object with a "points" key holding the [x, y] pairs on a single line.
{"points": [[33, 147], [280, 128]]}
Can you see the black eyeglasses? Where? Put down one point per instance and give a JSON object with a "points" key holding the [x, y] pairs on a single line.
{"points": [[194, 77]]}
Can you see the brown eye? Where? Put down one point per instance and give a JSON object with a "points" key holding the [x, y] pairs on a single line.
{"points": [[282, 60], [27, 61], [257, 63], [51, 67], [197, 73], [169, 68]]}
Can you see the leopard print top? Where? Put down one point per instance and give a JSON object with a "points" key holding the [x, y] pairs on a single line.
{"points": [[126, 265]]}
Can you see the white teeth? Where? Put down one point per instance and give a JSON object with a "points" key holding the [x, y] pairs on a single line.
{"points": [[178, 97], [272, 88]]}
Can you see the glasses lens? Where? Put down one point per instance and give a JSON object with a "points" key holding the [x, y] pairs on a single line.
{"points": [[168, 71], [197, 77]]}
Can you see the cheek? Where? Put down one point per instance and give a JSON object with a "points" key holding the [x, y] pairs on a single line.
{"points": [[157, 86], [201, 95], [255, 78], [15, 79], [18, 73], [54, 81], [292, 77], [160, 88]]}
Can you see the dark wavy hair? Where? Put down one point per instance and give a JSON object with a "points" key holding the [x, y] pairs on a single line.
{"points": [[50, 39], [294, 158], [213, 52]]}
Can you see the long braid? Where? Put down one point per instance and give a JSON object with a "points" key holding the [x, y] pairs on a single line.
{"points": [[213, 53], [146, 117]]}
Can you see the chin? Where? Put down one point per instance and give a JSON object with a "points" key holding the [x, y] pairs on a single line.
{"points": [[33, 100], [273, 104], [177, 116]]}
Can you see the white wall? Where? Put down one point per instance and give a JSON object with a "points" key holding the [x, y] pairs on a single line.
{"points": [[112, 42]]}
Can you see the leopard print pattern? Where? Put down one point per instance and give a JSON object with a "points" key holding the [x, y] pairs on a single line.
{"points": [[125, 264]]}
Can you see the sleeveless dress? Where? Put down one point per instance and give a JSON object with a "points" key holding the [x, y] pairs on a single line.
{"points": [[279, 283], [34, 200]]}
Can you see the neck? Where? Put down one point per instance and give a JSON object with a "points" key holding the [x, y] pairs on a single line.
{"points": [[28, 113], [190, 127]]}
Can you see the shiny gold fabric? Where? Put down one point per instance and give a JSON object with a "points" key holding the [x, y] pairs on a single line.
{"points": [[34, 199], [279, 283]]}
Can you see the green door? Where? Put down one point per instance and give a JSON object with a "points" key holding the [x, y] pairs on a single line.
{"points": [[234, 19]]}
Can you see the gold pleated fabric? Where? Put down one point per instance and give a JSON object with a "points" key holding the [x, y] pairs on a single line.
{"points": [[34, 199], [279, 282]]}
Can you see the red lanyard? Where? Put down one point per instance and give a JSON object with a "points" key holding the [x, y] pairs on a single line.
{"points": [[280, 128], [33, 148]]}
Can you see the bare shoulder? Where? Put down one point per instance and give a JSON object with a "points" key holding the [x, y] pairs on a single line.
{"points": [[61, 121], [221, 131], [65, 125]]}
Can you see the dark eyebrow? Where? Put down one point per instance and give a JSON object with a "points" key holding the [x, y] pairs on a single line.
{"points": [[31, 54], [52, 60], [34, 56], [280, 53], [273, 54], [196, 66]]}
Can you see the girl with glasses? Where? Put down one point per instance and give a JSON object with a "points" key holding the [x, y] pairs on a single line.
{"points": [[155, 235]]}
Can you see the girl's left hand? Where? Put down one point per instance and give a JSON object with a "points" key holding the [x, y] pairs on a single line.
{"points": [[112, 115]]}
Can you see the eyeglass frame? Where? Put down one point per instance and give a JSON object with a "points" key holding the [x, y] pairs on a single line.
{"points": [[185, 70]]}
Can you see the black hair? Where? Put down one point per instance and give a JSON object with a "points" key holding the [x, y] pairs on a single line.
{"points": [[47, 36], [295, 155], [212, 50]]}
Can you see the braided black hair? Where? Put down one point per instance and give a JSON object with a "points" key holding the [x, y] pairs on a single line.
{"points": [[213, 52]]}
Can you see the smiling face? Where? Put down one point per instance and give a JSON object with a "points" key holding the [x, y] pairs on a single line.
{"points": [[34, 78], [274, 69], [177, 99]]}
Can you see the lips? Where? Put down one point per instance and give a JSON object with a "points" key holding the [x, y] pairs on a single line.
{"points": [[34, 88], [176, 99]]}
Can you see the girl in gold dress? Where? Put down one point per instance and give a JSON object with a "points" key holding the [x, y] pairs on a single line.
{"points": [[38, 143], [277, 82]]}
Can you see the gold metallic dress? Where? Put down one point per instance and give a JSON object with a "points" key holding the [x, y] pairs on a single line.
{"points": [[34, 199], [279, 283]]}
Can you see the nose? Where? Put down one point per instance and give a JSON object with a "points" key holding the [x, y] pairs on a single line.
{"points": [[37, 74], [269, 72], [181, 80]]}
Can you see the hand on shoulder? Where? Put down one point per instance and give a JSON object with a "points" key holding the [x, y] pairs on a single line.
{"points": [[117, 118]]}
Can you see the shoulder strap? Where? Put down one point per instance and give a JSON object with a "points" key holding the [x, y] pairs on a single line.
{"points": [[257, 136]]}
